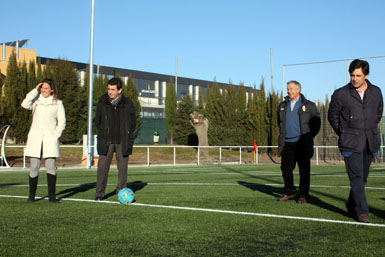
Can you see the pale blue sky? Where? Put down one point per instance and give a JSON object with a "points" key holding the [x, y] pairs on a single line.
{"points": [[222, 39]]}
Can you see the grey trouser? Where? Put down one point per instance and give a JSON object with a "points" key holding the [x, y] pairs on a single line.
{"points": [[104, 167], [50, 164]]}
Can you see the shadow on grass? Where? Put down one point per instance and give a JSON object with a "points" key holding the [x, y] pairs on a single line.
{"points": [[275, 192], [270, 190], [9, 185], [134, 186], [75, 190]]}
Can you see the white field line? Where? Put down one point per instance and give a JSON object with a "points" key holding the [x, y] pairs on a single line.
{"points": [[215, 211], [197, 184]]}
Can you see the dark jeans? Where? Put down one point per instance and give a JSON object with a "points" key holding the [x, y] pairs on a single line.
{"points": [[104, 167], [292, 154], [357, 166]]}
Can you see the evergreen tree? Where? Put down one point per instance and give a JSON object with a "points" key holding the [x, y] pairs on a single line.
{"points": [[47, 72], [200, 102], [69, 91], [215, 113], [132, 92], [251, 113], [2, 98], [243, 137], [22, 117], [183, 128], [261, 115], [272, 111], [10, 99], [31, 81], [98, 90], [39, 71], [231, 124], [1, 82], [170, 110]]}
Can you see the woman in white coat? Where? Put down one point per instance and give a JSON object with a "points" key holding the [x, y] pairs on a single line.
{"points": [[48, 123]]}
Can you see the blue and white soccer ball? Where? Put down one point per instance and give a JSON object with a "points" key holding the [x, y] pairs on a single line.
{"points": [[126, 196]]}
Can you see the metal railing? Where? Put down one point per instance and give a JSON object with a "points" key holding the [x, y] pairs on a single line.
{"points": [[3, 159], [317, 158]]}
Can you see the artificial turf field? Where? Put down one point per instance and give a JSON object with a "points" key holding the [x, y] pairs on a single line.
{"points": [[228, 210]]}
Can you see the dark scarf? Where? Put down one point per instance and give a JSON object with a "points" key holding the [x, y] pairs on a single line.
{"points": [[115, 102]]}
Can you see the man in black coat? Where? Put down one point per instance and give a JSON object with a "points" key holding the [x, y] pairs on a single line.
{"points": [[354, 113], [115, 120], [299, 122]]}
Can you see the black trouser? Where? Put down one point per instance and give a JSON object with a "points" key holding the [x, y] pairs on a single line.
{"points": [[357, 166], [292, 154], [104, 167]]}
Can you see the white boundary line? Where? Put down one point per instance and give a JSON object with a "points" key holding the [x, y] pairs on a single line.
{"points": [[216, 211]]}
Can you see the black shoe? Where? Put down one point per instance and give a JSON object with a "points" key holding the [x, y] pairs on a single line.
{"points": [[98, 198], [53, 200]]}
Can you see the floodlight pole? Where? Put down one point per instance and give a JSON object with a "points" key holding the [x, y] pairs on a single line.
{"points": [[90, 141], [271, 70], [283, 81], [176, 77], [347, 71]]}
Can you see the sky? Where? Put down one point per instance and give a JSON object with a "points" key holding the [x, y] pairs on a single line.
{"points": [[225, 40]]}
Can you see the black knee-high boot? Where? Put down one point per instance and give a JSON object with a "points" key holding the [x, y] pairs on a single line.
{"points": [[51, 181], [32, 188]]}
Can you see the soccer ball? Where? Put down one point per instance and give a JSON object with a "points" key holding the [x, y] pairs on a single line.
{"points": [[126, 196]]}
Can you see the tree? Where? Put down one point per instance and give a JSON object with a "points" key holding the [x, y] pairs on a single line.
{"points": [[31, 80], [39, 72], [201, 125], [170, 110], [69, 91], [272, 111], [215, 113], [183, 129], [131, 92], [261, 115], [200, 101], [99, 88], [10, 99], [21, 118]]}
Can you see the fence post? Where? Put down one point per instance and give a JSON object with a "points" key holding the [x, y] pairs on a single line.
{"points": [[220, 154], [174, 155], [148, 156], [240, 155], [316, 156], [198, 154], [24, 157]]}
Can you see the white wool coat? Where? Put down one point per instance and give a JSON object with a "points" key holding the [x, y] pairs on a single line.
{"points": [[48, 123]]}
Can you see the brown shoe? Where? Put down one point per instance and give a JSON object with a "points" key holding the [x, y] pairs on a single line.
{"points": [[285, 197], [363, 218], [301, 200]]}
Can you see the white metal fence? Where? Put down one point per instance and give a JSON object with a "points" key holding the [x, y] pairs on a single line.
{"points": [[240, 154]]}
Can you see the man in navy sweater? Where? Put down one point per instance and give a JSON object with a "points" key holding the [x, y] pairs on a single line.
{"points": [[299, 122]]}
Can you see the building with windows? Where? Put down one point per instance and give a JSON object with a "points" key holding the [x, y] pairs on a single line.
{"points": [[151, 87]]}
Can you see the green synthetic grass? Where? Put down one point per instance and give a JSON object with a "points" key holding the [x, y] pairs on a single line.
{"points": [[73, 228]]}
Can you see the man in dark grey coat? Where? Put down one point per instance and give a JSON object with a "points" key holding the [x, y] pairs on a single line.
{"points": [[354, 113], [299, 122], [115, 120]]}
